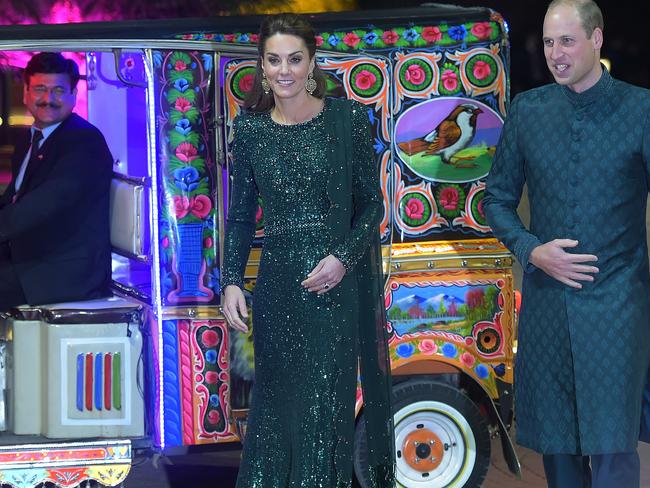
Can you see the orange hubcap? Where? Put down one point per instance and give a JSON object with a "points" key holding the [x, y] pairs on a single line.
{"points": [[422, 450]]}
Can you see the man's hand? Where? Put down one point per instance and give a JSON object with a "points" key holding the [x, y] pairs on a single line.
{"points": [[565, 267], [234, 307], [325, 276]]}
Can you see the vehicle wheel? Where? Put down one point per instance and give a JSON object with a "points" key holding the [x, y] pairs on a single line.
{"points": [[441, 438]]}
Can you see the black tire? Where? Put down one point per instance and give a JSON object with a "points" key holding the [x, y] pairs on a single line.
{"points": [[438, 412]]}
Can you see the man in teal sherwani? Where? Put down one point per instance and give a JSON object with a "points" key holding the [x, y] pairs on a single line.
{"points": [[582, 144]]}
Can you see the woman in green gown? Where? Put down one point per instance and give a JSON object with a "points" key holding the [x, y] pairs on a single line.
{"points": [[318, 300]]}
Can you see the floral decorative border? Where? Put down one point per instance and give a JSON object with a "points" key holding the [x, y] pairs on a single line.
{"points": [[415, 36], [187, 224]]}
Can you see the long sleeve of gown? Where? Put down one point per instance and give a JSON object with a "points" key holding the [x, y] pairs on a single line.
{"points": [[367, 197], [503, 193], [240, 225]]}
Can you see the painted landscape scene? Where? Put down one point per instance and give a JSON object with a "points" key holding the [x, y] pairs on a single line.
{"points": [[453, 308]]}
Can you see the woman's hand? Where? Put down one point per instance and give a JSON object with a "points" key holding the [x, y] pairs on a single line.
{"points": [[234, 307], [326, 275]]}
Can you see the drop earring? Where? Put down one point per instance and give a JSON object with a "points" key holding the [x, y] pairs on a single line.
{"points": [[310, 84], [266, 86]]}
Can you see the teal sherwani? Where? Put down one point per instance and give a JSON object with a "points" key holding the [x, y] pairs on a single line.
{"points": [[582, 354]]}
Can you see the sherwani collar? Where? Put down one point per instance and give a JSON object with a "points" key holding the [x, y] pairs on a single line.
{"points": [[592, 94]]}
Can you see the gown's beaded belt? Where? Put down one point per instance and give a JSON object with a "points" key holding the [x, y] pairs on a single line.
{"points": [[292, 227]]}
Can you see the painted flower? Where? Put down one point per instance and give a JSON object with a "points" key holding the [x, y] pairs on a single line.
{"points": [[319, 41], [211, 356], [457, 32], [370, 38], [245, 83], [186, 152], [405, 350], [165, 242], [481, 70], [157, 59], [181, 206], [449, 350], [415, 74], [479, 207], [499, 369], [208, 242], [209, 338], [410, 35], [214, 280], [229, 37], [200, 206], [481, 371], [449, 198], [414, 208], [181, 84], [450, 80], [467, 359], [214, 417], [243, 38], [428, 347], [431, 34], [207, 62], [365, 79], [254, 37], [390, 37], [214, 400], [183, 127], [187, 179], [333, 39], [351, 39], [182, 104], [482, 30], [180, 65], [259, 215], [219, 37], [211, 377]]}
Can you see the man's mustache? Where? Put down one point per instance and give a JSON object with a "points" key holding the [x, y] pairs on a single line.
{"points": [[48, 104]]}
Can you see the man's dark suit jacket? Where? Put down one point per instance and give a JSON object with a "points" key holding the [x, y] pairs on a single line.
{"points": [[55, 229]]}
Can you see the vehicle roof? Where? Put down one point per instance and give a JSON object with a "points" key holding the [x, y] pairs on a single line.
{"points": [[171, 28]]}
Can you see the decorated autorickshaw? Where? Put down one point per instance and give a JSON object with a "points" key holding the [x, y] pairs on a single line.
{"points": [[91, 384]]}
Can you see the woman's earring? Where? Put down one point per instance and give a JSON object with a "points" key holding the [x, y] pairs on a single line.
{"points": [[265, 84], [310, 84]]}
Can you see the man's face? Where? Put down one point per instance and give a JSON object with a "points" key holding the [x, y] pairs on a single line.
{"points": [[49, 98], [572, 57]]}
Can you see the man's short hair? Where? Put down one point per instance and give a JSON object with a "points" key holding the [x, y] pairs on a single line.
{"points": [[52, 63], [588, 12]]}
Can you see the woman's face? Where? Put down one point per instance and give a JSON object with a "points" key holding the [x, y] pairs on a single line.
{"points": [[287, 64]]}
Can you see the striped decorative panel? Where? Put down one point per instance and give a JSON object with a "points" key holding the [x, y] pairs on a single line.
{"points": [[99, 381]]}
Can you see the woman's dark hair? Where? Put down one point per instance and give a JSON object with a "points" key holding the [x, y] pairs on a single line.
{"points": [[51, 63], [293, 25]]}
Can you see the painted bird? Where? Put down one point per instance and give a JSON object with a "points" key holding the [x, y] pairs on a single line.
{"points": [[452, 134]]}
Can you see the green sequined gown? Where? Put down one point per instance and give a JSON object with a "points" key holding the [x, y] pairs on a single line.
{"points": [[301, 424]]}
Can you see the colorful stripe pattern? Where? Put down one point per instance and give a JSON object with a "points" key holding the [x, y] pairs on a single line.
{"points": [[99, 381]]}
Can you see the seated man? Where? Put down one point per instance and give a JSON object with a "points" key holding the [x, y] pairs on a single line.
{"points": [[54, 215]]}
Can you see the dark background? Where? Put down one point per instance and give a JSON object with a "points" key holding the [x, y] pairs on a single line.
{"points": [[627, 31]]}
